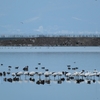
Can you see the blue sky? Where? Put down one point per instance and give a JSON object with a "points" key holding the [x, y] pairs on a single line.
{"points": [[49, 17]]}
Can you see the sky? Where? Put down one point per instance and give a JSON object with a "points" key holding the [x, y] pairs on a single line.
{"points": [[33, 17]]}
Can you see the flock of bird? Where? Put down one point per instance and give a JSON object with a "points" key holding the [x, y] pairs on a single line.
{"points": [[47, 77]]}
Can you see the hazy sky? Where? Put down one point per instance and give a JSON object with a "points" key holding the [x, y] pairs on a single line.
{"points": [[49, 16]]}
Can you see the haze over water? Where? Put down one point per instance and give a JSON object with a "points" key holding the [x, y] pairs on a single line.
{"points": [[54, 61]]}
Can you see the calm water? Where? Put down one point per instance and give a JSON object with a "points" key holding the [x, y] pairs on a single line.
{"points": [[54, 62]]}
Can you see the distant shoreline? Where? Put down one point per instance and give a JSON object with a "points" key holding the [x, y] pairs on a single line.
{"points": [[49, 49], [50, 41]]}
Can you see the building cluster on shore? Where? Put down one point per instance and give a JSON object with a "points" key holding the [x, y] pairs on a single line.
{"points": [[50, 41]]}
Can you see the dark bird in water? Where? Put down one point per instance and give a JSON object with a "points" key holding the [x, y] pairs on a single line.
{"points": [[9, 66], [16, 67], [8, 73], [76, 67], [42, 67], [32, 79], [68, 66], [46, 69], [25, 68], [9, 80], [0, 74], [36, 67], [39, 63], [5, 79], [1, 64], [73, 68], [4, 73]]}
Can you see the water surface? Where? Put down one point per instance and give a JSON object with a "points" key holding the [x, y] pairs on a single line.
{"points": [[54, 61]]}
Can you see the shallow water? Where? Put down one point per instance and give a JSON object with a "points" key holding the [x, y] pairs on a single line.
{"points": [[54, 62]]}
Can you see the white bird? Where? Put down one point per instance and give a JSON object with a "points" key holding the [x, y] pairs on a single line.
{"points": [[75, 74], [87, 74], [32, 73], [68, 74], [54, 74], [26, 73], [39, 74], [19, 73], [13, 74], [59, 74], [98, 74], [47, 74]]}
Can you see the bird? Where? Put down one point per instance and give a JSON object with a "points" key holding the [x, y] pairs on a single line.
{"points": [[59, 81], [59, 75], [68, 74], [54, 74], [26, 73], [32, 73], [16, 79], [32, 79], [36, 67], [38, 82], [8, 73], [5, 79], [1, 64], [98, 74], [39, 63], [73, 68], [39, 74], [0, 73], [42, 67], [76, 67], [47, 74], [69, 68], [42, 82], [16, 67], [88, 82], [10, 80], [95, 71], [19, 74], [4, 73], [46, 69], [26, 68], [68, 65], [9, 66], [13, 74], [87, 74]]}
